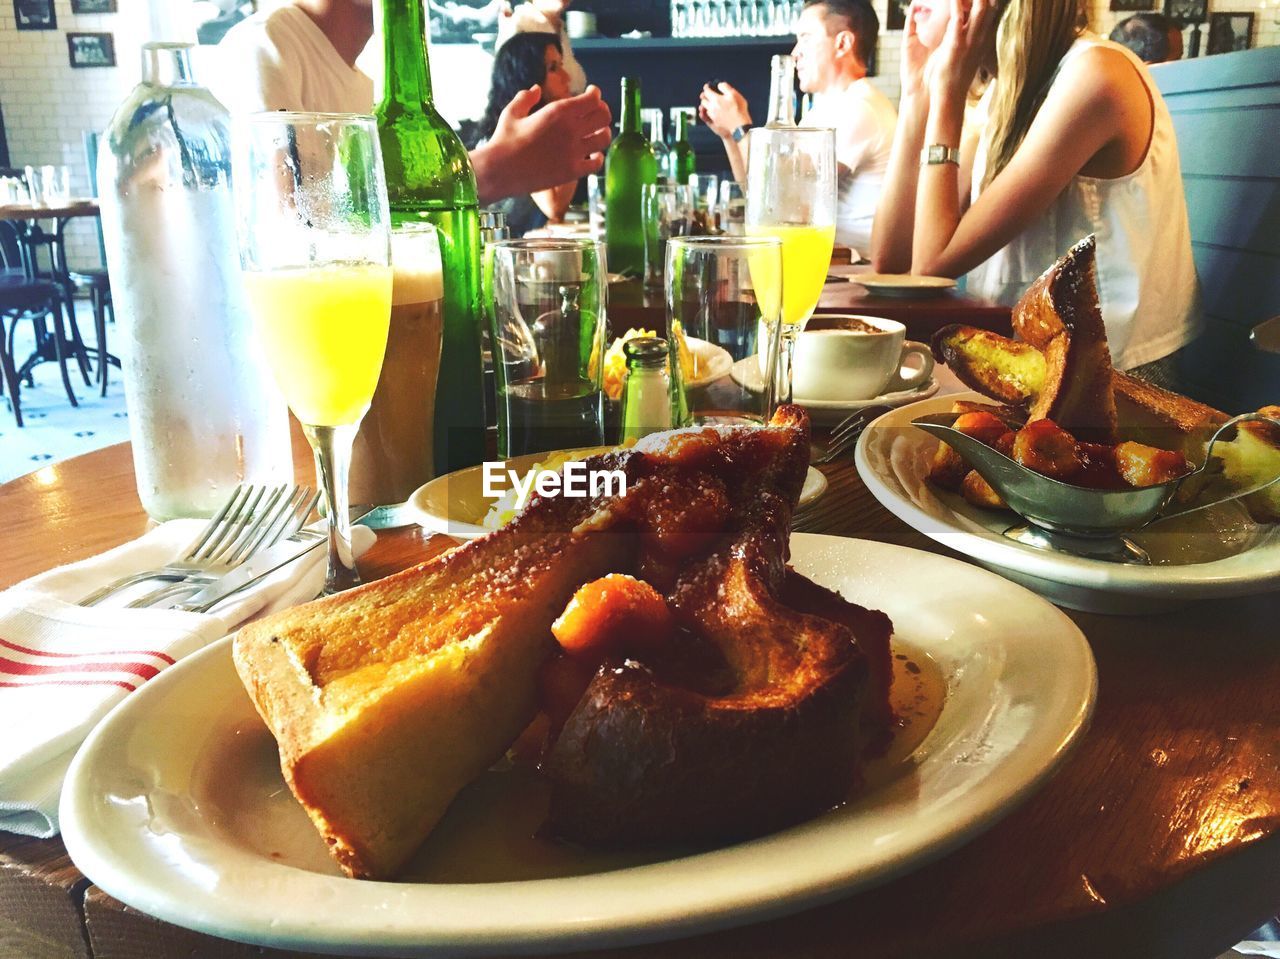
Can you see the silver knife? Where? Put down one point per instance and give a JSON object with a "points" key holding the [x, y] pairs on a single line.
{"points": [[263, 563]]}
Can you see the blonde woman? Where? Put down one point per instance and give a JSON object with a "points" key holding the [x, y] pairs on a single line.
{"points": [[1071, 137]]}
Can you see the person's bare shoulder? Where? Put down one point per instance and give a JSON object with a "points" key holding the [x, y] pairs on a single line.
{"points": [[1102, 76]]}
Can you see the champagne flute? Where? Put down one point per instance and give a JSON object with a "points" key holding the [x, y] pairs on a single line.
{"points": [[791, 194], [315, 251]]}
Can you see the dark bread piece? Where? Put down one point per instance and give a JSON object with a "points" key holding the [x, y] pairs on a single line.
{"points": [[642, 759]]}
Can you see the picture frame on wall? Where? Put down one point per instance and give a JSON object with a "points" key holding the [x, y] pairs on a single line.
{"points": [[91, 50], [93, 6], [1229, 32], [896, 18], [1183, 12], [35, 15]]}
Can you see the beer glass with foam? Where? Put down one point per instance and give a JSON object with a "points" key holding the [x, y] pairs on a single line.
{"points": [[392, 455]]}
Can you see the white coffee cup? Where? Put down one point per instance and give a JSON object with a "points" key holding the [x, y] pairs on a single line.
{"points": [[580, 23], [846, 357]]}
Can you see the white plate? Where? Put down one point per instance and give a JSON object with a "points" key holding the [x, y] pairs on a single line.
{"points": [[746, 373], [175, 804], [710, 362], [1214, 553], [455, 504], [903, 284]]}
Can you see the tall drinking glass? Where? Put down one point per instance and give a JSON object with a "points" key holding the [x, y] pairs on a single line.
{"points": [[791, 195], [666, 214], [315, 249], [724, 297], [548, 325]]}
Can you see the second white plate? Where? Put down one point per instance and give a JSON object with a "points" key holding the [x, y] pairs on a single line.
{"points": [[455, 504], [1215, 553], [175, 804]]}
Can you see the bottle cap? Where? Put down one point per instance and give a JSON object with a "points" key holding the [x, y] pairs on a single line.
{"points": [[645, 352]]}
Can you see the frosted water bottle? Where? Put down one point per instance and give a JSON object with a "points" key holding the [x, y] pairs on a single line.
{"points": [[204, 413]]}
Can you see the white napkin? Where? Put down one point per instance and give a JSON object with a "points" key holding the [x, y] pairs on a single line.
{"points": [[63, 667]]}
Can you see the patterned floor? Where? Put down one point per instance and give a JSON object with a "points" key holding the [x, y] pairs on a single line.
{"points": [[53, 429]]}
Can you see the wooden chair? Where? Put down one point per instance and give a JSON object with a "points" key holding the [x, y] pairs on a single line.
{"points": [[24, 297]]}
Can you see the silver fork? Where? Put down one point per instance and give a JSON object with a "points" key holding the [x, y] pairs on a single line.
{"points": [[252, 517], [847, 431]]}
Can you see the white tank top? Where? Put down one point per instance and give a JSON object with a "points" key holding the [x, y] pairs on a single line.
{"points": [[1146, 277]]}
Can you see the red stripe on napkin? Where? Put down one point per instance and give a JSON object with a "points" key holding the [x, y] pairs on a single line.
{"points": [[50, 681], [121, 652], [37, 669]]}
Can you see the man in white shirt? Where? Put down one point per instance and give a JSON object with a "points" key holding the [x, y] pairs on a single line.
{"points": [[835, 40], [302, 56]]}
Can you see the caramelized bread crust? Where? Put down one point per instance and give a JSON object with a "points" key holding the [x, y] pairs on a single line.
{"points": [[387, 700], [645, 759], [1060, 316]]}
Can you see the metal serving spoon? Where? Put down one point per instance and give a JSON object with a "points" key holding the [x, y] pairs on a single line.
{"points": [[1091, 522]]}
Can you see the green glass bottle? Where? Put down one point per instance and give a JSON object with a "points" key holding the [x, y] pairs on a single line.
{"points": [[629, 166], [429, 177], [684, 162]]}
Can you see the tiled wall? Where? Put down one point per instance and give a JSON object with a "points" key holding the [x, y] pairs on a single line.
{"points": [[48, 104]]}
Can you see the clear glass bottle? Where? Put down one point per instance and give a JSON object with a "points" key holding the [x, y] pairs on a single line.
{"points": [[204, 412], [652, 119], [646, 394], [782, 91]]}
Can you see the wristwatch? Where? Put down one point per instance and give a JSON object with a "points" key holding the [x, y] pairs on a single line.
{"points": [[740, 132], [937, 153]]}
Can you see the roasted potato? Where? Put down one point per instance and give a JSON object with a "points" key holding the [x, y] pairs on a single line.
{"points": [[1046, 448], [1148, 466], [948, 469], [978, 492]]}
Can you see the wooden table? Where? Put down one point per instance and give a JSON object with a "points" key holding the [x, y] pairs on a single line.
{"points": [[630, 305], [1159, 837]]}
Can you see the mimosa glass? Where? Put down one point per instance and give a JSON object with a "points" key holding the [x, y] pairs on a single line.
{"points": [[791, 195], [315, 251]]}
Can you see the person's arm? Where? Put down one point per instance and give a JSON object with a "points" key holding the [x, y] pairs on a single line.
{"points": [[894, 226], [555, 201], [527, 153], [723, 109], [1098, 100]]}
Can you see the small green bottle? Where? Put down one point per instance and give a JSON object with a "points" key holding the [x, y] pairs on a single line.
{"points": [[684, 162], [630, 165], [429, 177]]}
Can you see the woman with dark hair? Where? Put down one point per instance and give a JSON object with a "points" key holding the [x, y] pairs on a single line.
{"points": [[526, 61]]}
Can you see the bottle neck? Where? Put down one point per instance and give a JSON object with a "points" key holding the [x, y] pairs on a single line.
{"points": [[782, 92], [406, 67], [630, 105], [682, 127], [167, 65], [655, 127]]}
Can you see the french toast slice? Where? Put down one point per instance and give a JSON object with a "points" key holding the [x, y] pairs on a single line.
{"points": [[386, 700], [1060, 316], [805, 687]]}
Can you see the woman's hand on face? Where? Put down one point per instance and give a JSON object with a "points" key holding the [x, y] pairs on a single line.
{"points": [[969, 41], [915, 55], [723, 109]]}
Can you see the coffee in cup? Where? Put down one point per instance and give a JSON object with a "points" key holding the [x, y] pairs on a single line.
{"points": [[842, 357]]}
